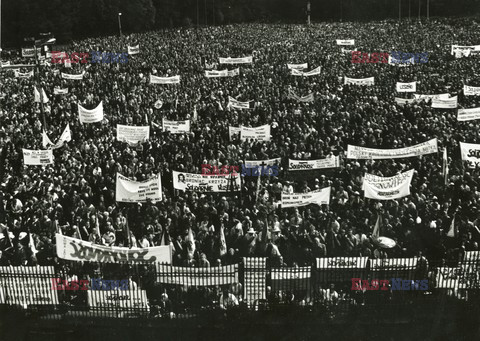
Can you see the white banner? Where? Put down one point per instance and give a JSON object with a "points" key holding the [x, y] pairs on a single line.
{"points": [[126, 299], [363, 153], [346, 42], [259, 163], [28, 52], [471, 90], [406, 87], [342, 263], [261, 133], [164, 80], [298, 66], [465, 50], [133, 49], [403, 101], [80, 250], [313, 72], [394, 187], [176, 127], [318, 197], [329, 162], [19, 74], [403, 63], [133, 134], [243, 60], [90, 116], [305, 99], [431, 97], [206, 183], [468, 114], [37, 157], [222, 73], [470, 153], [450, 103], [138, 191], [73, 77], [58, 91], [359, 81], [232, 102]]}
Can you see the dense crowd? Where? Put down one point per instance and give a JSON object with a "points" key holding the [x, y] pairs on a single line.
{"points": [[76, 195]]}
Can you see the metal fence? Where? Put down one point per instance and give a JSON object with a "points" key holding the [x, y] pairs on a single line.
{"points": [[331, 287]]}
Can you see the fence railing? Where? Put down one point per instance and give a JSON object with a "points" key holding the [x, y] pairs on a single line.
{"points": [[332, 285]]}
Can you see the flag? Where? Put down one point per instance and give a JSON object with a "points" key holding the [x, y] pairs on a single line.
{"points": [[223, 243], [31, 244], [445, 165], [37, 96], [376, 229], [258, 188], [45, 140], [452, 232], [195, 114], [190, 242]]}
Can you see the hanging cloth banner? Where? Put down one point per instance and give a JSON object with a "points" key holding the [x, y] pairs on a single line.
{"points": [[128, 190], [58, 91], [298, 66], [450, 103], [329, 162], [37, 157], [313, 72], [468, 114], [431, 97], [261, 133], [176, 127], [359, 81], [164, 80], [133, 49], [90, 116], [19, 74], [471, 90], [407, 87], [305, 99], [381, 188], [346, 42], [471, 153], [403, 101], [232, 102], [363, 153], [318, 197], [222, 73], [73, 77], [243, 60], [206, 183], [260, 163], [132, 134]]}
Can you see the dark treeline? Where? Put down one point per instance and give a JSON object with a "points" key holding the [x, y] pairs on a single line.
{"points": [[69, 19]]}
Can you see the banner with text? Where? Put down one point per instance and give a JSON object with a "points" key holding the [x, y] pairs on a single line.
{"points": [[363, 153], [313, 72], [164, 80], [133, 49], [329, 162], [37, 157], [360, 81], [176, 127], [133, 134], [346, 42], [406, 87], [387, 188], [128, 190], [470, 153], [450, 103], [318, 197], [468, 114], [90, 116], [73, 77], [471, 90], [243, 60], [206, 183]]}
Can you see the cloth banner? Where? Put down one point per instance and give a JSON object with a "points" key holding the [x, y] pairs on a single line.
{"points": [[470, 153], [232, 102], [291, 279], [464, 50], [329, 162], [346, 42], [65, 137], [73, 77], [119, 299], [471, 90], [402, 63], [222, 73], [360, 81], [431, 97], [206, 183], [27, 285], [407, 87], [176, 127], [7, 63], [351, 267], [37, 157], [308, 98], [468, 114], [318, 197], [128, 190], [164, 80], [260, 163], [387, 188], [298, 66], [342, 263], [80, 250], [133, 134], [243, 60], [363, 153], [133, 49], [213, 276], [19, 74], [28, 52], [450, 103], [313, 72], [254, 275], [404, 268], [261, 133], [90, 116], [403, 101], [58, 91]]}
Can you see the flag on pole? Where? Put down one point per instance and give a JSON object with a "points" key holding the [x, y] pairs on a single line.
{"points": [[223, 243], [45, 140], [31, 244], [445, 165], [452, 233], [376, 229], [37, 96]]}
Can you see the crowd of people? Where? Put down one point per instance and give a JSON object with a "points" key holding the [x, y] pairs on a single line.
{"points": [[76, 194]]}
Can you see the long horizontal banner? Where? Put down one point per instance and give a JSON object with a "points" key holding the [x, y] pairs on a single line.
{"points": [[291, 278], [205, 183], [128, 190], [471, 90], [132, 50], [399, 62], [359, 81], [28, 52], [318, 197], [471, 153], [346, 42], [73, 77], [164, 80], [406, 87], [27, 285], [387, 188], [329, 162], [342, 263], [313, 72], [213, 276], [90, 116], [232, 102], [466, 49], [363, 153], [19, 74], [243, 60], [305, 99], [298, 66], [120, 299], [261, 133], [222, 73], [450, 103], [468, 114], [403, 101], [59, 91], [133, 134], [176, 127], [393, 264], [431, 97], [37, 157], [259, 163], [80, 250]]}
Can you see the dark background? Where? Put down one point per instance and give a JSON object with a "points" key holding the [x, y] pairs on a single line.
{"points": [[71, 19]]}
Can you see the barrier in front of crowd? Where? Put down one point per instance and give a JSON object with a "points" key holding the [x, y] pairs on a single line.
{"points": [[165, 291]]}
